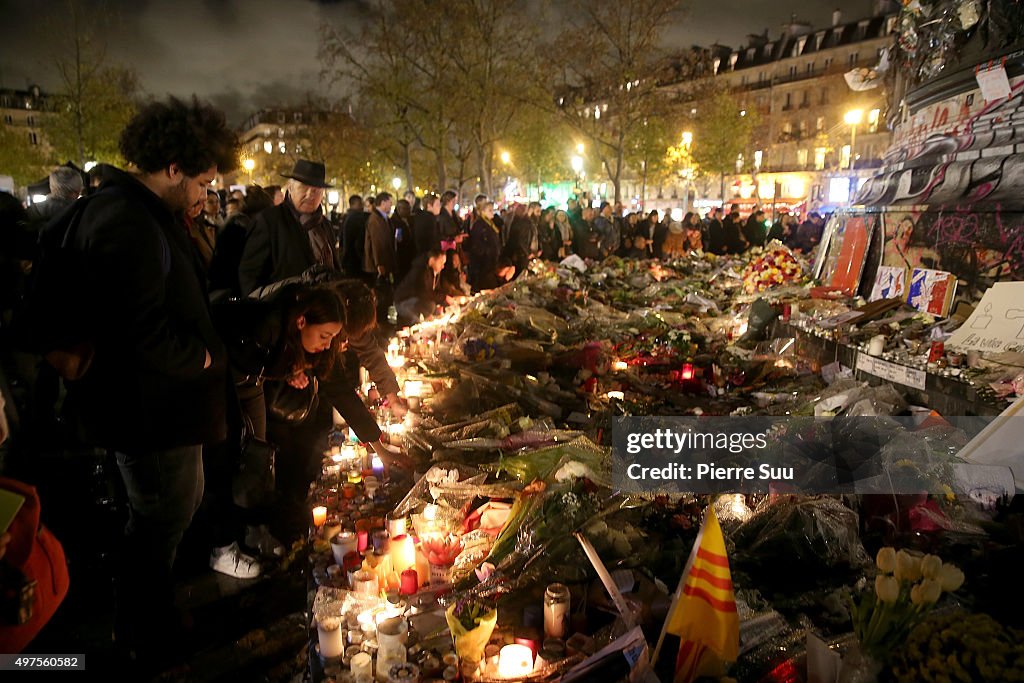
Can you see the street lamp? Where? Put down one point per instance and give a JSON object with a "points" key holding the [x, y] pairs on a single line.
{"points": [[852, 118], [579, 148], [249, 165], [396, 183], [577, 166], [506, 158]]}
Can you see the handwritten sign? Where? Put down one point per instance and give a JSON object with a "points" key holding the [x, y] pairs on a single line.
{"points": [[993, 83], [891, 372], [997, 324], [890, 282]]}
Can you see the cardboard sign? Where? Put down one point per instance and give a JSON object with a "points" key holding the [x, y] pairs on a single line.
{"points": [[890, 283], [997, 323], [892, 372], [993, 83], [931, 291]]}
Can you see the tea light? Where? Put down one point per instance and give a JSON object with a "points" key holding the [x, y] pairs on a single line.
{"points": [[362, 667], [378, 467], [319, 516], [617, 395], [620, 366], [403, 553], [328, 632], [515, 661], [370, 484], [355, 476], [413, 391]]}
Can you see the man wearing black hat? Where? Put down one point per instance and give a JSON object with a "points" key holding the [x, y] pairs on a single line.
{"points": [[288, 239]]}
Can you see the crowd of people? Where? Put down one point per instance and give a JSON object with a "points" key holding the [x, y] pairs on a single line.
{"points": [[186, 323]]}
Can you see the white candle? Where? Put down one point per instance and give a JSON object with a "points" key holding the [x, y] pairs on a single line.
{"points": [[515, 661], [344, 543], [396, 525], [615, 395], [620, 366], [328, 631], [365, 583], [877, 345]]}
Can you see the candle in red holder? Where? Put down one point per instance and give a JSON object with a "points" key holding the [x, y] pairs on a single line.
{"points": [[348, 491], [410, 582], [362, 539], [937, 351], [686, 374]]}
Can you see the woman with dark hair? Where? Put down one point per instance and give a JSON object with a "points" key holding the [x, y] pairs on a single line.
{"points": [[227, 252], [547, 235], [484, 249], [453, 277]]}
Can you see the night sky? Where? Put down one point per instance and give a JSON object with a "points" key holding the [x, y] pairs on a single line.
{"points": [[243, 54]]}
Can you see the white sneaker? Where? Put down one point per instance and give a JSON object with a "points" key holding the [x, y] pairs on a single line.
{"points": [[259, 537], [232, 561]]}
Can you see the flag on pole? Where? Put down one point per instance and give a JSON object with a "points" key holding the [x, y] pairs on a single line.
{"points": [[704, 611]]}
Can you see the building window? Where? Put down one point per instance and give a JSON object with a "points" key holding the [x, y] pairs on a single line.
{"points": [[256, 147], [801, 158], [761, 77], [873, 117], [844, 156], [819, 124], [792, 71], [803, 128], [31, 121], [805, 101], [819, 158], [743, 81], [268, 147], [854, 58], [810, 68], [828, 63], [789, 101], [298, 149], [787, 128], [758, 156], [280, 117], [33, 138], [280, 132], [282, 148], [8, 119]]}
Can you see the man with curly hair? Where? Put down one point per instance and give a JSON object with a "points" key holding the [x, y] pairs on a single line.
{"points": [[155, 391]]}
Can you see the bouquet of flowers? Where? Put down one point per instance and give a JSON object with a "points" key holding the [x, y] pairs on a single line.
{"points": [[775, 266], [906, 588], [471, 621]]}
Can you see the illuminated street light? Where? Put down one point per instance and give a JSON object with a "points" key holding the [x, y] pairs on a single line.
{"points": [[579, 148], [687, 138], [577, 163], [396, 183], [506, 158], [249, 165]]}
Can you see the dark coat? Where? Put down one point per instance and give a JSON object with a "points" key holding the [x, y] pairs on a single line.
{"points": [[732, 235], [379, 245], [660, 237], [227, 255], [426, 231], [405, 246], [147, 388], [421, 284], [254, 331], [447, 225], [521, 235], [716, 236], [353, 242], [484, 250], [278, 247], [754, 231]]}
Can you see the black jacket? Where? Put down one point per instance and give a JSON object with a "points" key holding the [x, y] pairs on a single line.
{"points": [[254, 333], [278, 247], [426, 232], [353, 237], [448, 225], [521, 235], [146, 389], [227, 255], [421, 284], [754, 232], [484, 250]]}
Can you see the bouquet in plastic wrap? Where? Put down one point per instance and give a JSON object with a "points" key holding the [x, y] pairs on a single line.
{"points": [[471, 622], [775, 266]]}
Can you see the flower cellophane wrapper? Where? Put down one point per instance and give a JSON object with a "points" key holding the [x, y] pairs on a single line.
{"points": [[470, 644]]}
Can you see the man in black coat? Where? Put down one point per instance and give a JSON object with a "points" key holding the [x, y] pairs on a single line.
{"points": [[353, 236], [425, 227], [716, 232], [155, 391], [753, 230], [732, 232], [65, 187], [288, 239]]}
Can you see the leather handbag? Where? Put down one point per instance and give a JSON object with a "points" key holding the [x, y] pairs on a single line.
{"points": [[254, 480], [287, 404]]}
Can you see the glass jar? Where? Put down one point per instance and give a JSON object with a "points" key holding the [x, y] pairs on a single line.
{"points": [[556, 611]]}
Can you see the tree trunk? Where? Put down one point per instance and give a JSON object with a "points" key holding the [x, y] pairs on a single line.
{"points": [[442, 172], [409, 184]]}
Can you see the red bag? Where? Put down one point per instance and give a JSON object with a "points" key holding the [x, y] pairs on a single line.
{"points": [[37, 554]]}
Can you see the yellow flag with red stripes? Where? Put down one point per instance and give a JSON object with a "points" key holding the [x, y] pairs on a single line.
{"points": [[704, 616]]}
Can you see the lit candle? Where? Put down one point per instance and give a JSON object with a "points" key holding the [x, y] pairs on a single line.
{"points": [[616, 395], [378, 467], [410, 582], [877, 345], [344, 543], [403, 553], [319, 516], [413, 390], [515, 661], [430, 512], [620, 366], [362, 540], [686, 374], [556, 611], [364, 583]]}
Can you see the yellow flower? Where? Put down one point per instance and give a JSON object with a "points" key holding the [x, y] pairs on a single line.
{"points": [[950, 577], [908, 567], [887, 588], [931, 565], [886, 560], [925, 593]]}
